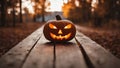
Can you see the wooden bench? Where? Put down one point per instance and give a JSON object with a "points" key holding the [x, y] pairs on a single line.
{"points": [[37, 52]]}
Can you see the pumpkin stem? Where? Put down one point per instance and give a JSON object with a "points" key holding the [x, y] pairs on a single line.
{"points": [[58, 17]]}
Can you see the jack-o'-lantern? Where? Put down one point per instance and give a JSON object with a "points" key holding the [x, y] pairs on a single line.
{"points": [[59, 30]]}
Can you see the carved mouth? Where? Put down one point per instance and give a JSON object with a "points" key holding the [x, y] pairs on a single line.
{"points": [[60, 37]]}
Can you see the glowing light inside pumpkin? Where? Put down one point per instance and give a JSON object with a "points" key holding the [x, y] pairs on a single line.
{"points": [[52, 26], [60, 37], [60, 32], [68, 26]]}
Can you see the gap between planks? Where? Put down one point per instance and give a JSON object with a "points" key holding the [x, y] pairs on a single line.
{"points": [[95, 55], [42, 54], [55, 55]]}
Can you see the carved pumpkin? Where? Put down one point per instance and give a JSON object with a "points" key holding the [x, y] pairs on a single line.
{"points": [[59, 30]]}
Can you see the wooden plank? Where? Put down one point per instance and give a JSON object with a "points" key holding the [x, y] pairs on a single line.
{"points": [[41, 56], [68, 55], [18, 54], [99, 57]]}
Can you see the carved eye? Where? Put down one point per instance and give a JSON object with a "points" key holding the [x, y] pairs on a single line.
{"points": [[52, 26], [68, 26]]}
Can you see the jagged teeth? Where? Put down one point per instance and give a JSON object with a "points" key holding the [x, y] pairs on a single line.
{"points": [[60, 37]]}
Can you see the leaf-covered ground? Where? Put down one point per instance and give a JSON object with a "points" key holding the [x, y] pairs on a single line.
{"points": [[109, 38], [10, 36]]}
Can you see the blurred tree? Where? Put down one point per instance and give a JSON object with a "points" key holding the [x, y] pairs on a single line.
{"points": [[14, 18], [113, 9], [71, 11], [27, 14], [43, 9], [99, 13], [0, 12], [105, 11], [40, 6], [3, 4], [12, 4], [37, 9], [77, 10], [20, 2], [86, 9]]}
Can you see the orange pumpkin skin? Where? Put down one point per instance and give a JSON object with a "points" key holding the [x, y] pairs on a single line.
{"points": [[59, 30]]}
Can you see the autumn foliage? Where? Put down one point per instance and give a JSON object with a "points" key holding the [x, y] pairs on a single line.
{"points": [[97, 11]]}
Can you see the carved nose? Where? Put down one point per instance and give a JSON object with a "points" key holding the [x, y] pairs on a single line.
{"points": [[60, 32]]}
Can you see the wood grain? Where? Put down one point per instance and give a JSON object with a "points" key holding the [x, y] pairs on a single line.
{"points": [[97, 54], [37, 52], [41, 55], [17, 55], [68, 55]]}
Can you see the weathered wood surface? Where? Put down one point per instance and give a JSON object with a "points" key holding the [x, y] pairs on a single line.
{"points": [[44, 55], [37, 52], [96, 56], [18, 54], [41, 55], [68, 55]]}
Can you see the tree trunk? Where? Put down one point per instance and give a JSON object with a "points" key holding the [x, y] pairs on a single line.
{"points": [[43, 17], [3, 12], [43, 10], [14, 17], [43, 13], [21, 20], [0, 11]]}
